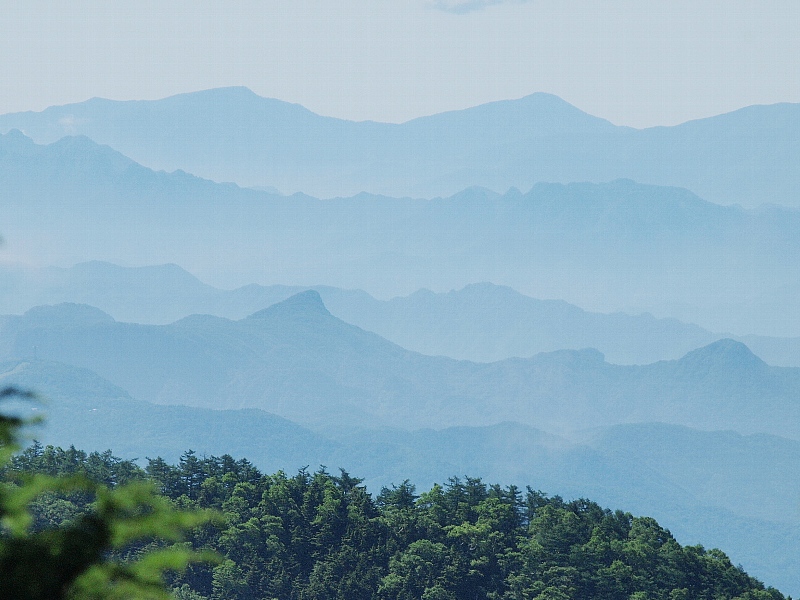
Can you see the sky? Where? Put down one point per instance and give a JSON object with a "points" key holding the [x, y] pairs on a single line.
{"points": [[634, 62]]}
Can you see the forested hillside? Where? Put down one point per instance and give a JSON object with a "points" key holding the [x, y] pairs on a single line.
{"points": [[320, 535]]}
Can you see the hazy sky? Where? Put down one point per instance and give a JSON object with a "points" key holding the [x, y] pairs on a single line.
{"points": [[635, 62]]}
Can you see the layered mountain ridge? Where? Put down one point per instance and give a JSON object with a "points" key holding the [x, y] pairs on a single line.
{"points": [[297, 360], [481, 322], [363, 337], [706, 487], [231, 134], [618, 246]]}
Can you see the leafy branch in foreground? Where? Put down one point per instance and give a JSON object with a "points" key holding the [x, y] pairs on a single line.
{"points": [[75, 560]]}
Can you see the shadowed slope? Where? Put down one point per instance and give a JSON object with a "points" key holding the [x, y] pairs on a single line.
{"points": [[297, 360]]}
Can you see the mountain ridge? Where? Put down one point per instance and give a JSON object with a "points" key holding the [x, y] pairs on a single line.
{"points": [[717, 501], [482, 322], [742, 157], [313, 368], [600, 246]]}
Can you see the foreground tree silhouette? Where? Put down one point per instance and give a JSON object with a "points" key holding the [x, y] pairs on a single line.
{"points": [[75, 560]]}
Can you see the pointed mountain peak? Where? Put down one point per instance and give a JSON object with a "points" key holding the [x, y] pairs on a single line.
{"points": [[82, 148], [544, 100], [726, 351], [82, 142], [16, 142], [17, 136], [304, 303]]}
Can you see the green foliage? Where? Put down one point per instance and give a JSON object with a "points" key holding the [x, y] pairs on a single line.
{"points": [[322, 536], [318, 535], [67, 518]]}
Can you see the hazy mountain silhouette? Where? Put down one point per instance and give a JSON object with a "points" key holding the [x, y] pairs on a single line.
{"points": [[480, 322], [296, 360], [231, 134], [609, 247], [722, 468], [605, 246], [84, 410], [706, 487]]}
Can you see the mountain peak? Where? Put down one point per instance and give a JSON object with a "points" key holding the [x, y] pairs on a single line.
{"points": [[238, 100], [16, 135], [66, 314], [236, 92], [82, 148], [725, 351], [537, 114], [107, 273], [475, 193], [16, 142], [304, 303]]}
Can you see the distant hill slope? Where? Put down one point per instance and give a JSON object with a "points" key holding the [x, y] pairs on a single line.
{"points": [[297, 360], [717, 488], [748, 156], [721, 468], [480, 322], [612, 247], [87, 411]]}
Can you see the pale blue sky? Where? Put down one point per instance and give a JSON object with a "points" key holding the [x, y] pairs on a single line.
{"points": [[634, 62]]}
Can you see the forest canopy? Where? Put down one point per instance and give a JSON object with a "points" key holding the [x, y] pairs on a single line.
{"points": [[86, 531], [322, 535]]}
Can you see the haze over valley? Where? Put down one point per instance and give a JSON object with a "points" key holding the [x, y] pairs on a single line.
{"points": [[744, 157], [518, 291], [607, 247], [400, 300]]}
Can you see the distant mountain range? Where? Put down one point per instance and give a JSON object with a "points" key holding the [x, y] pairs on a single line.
{"points": [[480, 322], [611, 247], [87, 411], [717, 488], [748, 156], [427, 373], [298, 361]]}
